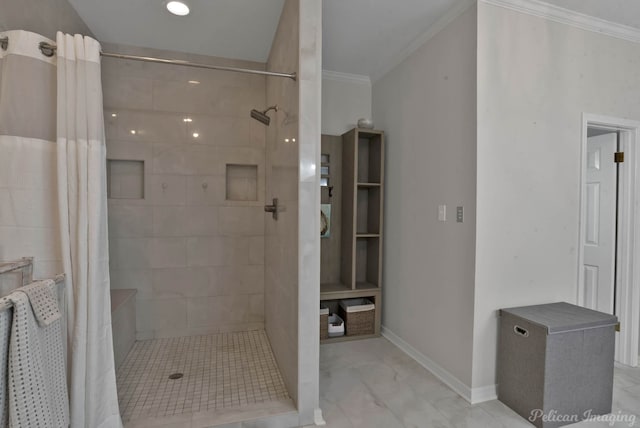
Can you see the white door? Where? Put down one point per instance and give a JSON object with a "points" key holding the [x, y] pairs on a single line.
{"points": [[600, 233]]}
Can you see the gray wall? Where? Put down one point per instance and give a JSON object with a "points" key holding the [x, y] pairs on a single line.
{"points": [[194, 253], [427, 107], [45, 17]]}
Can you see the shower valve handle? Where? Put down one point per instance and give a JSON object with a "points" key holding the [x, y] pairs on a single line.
{"points": [[273, 209]]}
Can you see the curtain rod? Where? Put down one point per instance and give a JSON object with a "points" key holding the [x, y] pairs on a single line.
{"points": [[198, 65], [48, 49]]}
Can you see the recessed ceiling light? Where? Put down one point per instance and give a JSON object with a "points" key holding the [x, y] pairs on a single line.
{"points": [[178, 8]]}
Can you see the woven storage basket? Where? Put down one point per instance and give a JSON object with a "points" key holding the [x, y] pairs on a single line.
{"points": [[324, 322], [359, 316]]}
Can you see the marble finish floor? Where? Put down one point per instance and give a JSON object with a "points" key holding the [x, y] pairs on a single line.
{"points": [[371, 383]]}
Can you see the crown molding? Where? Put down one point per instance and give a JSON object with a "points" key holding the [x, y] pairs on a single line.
{"points": [[569, 17], [455, 11], [532, 7], [346, 77]]}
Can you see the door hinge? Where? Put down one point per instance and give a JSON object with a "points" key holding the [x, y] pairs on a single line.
{"points": [[618, 157], [618, 327]]}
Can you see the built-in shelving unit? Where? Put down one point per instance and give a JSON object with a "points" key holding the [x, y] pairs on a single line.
{"points": [[361, 222]]}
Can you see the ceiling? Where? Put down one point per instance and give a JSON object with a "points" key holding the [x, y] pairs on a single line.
{"points": [[360, 37], [363, 36], [240, 29]]}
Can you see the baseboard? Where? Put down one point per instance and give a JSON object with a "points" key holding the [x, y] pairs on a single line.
{"points": [[317, 417], [472, 395], [484, 393]]}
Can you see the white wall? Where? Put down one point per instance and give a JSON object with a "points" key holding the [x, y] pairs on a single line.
{"points": [[427, 108], [536, 78], [345, 99]]}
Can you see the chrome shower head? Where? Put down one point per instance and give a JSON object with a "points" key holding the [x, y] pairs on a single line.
{"points": [[261, 116]]}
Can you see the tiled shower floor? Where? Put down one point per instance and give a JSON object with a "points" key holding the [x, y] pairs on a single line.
{"points": [[220, 371]]}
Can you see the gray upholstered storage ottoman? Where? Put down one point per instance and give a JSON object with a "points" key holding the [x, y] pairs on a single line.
{"points": [[555, 362]]}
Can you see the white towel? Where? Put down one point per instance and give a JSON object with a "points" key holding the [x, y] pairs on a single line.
{"points": [[5, 333], [37, 380], [44, 301]]}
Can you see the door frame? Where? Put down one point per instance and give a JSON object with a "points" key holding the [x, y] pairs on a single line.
{"points": [[628, 244]]}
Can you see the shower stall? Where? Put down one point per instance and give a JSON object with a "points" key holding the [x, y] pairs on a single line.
{"points": [[224, 314], [187, 183]]}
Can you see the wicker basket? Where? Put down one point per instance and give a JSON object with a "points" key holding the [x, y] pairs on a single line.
{"points": [[324, 322], [359, 316]]}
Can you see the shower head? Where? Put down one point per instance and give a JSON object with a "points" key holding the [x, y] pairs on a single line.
{"points": [[261, 116]]}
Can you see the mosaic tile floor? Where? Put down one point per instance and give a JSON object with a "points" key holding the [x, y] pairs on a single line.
{"points": [[220, 371]]}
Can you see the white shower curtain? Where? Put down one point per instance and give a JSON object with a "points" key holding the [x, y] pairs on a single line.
{"points": [[82, 199]]}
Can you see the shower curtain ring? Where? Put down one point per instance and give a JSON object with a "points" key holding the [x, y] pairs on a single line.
{"points": [[46, 49]]}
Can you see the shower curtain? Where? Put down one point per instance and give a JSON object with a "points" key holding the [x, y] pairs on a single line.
{"points": [[82, 203], [53, 199]]}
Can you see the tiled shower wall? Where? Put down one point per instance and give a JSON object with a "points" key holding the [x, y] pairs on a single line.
{"points": [[283, 157], [195, 256]]}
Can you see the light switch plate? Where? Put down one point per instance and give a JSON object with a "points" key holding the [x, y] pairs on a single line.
{"points": [[459, 214], [442, 212]]}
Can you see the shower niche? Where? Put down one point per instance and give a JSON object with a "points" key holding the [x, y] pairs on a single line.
{"points": [[241, 182], [125, 179], [351, 258]]}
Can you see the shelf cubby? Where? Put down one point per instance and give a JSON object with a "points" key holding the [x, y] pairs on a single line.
{"points": [[361, 222], [333, 302], [369, 156], [367, 262], [362, 203], [368, 210]]}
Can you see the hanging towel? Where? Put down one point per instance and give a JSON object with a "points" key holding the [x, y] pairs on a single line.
{"points": [[36, 369], [44, 302], [5, 331]]}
